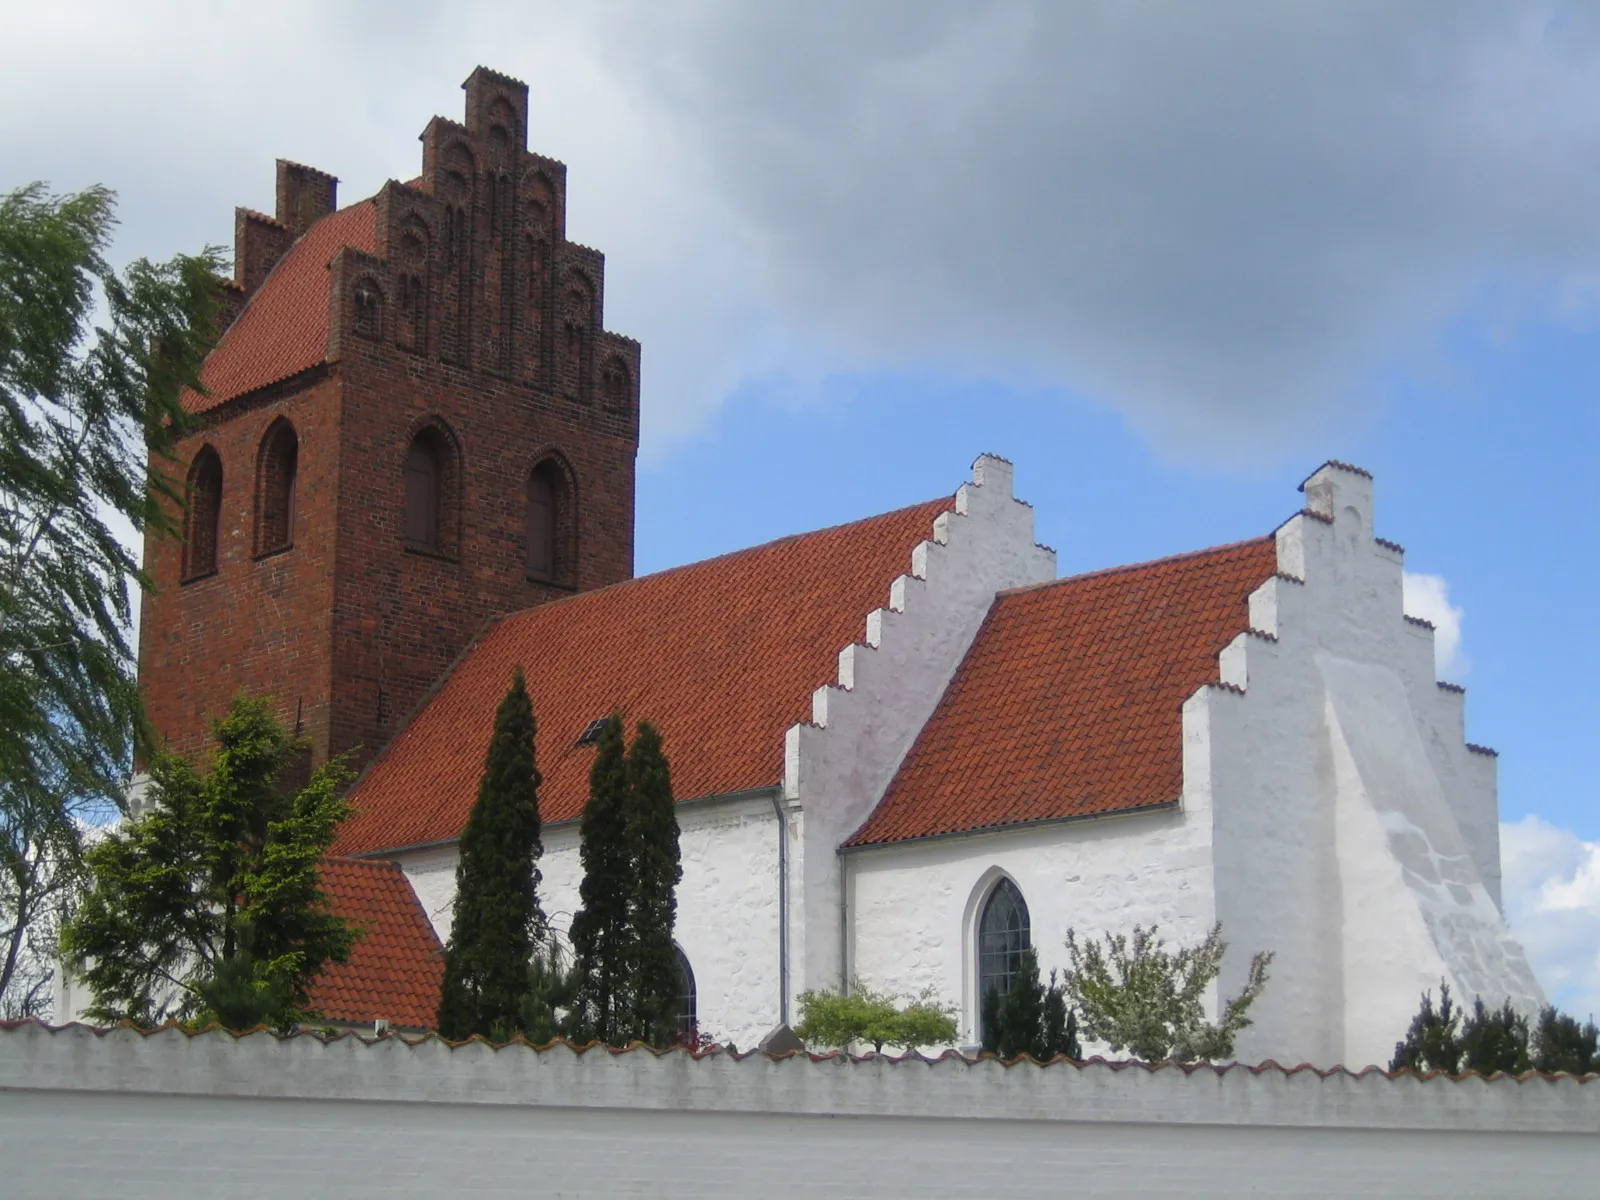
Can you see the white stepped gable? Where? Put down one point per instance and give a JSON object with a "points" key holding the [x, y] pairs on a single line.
{"points": [[837, 767], [1365, 827]]}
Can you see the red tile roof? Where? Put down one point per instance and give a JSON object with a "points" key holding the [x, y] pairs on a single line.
{"points": [[396, 966], [283, 330], [1069, 702], [722, 656]]}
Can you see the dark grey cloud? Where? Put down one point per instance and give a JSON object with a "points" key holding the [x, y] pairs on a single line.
{"points": [[1218, 218]]}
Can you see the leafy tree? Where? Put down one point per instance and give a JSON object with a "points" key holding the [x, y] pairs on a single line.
{"points": [[1561, 1044], [652, 824], [1135, 994], [602, 933], [1494, 1040], [498, 921], [209, 906], [836, 1019], [1032, 1019], [82, 410]]}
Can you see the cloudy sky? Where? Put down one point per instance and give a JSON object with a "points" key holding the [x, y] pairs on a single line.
{"points": [[1167, 257]]}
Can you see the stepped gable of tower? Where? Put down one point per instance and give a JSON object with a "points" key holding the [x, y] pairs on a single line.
{"points": [[414, 422]]}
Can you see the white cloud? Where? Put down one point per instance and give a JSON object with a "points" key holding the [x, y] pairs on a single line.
{"points": [[1428, 597], [1551, 889], [1216, 218]]}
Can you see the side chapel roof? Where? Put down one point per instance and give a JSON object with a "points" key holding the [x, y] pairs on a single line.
{"points": [[722, 656], [283, 330], [397, 966], [1069, 701]]}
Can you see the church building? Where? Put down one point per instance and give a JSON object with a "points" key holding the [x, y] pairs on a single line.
{"points": [[904, 750]]}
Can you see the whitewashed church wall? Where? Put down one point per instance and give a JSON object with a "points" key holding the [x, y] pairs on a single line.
{"points": [[727, 920], [1353, 835], [915, 908], [838, 766], [174, 1117]]}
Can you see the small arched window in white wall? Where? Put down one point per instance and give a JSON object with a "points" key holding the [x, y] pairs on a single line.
{"points": [[686, 1010], [1003, 934]]}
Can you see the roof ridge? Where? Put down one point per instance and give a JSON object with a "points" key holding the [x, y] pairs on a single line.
{"points": [[715, 558], [1135, 566]]}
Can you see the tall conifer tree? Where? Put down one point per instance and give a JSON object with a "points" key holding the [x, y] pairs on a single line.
{"points": [[602, 935], [498, 922], [652, 824]]}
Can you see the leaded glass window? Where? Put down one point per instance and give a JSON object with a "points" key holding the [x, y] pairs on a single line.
{"points": [[1003, 934]]}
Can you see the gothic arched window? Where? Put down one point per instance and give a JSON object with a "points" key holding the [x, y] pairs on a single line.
{"points": [[277, 470], [425, 491], [1003, 934], [686, 1011], [203, 496]]}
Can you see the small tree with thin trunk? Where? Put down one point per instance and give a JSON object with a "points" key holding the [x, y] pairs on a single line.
{"points": [[1136, 994], [602, 933], [498, 923], [652, 826]]}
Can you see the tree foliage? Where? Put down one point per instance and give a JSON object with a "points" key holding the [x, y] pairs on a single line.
{"points": [[602, 932], [81, 408], [1033, 1018], [1561, 1044], [1487, 1040], [1135, 994], [831, 1019], [498, 924], [209, 906], [651, 819]]}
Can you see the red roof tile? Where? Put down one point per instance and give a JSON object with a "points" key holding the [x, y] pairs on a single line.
{"points": [[283, 330], [1069, 702], [722, 656], [396, 967]]}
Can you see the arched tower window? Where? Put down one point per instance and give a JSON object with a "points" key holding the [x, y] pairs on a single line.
{"points": [[1003, 934], [277, 470], [203, 495], [426, 510], [551, 534], [686, 1010]]}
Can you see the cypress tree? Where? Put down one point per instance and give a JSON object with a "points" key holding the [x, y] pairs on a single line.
{"points": [[1561, 1044], [498, 922], [652, 825], [1060, 1024], [1433, 1042], [1494, 1040], [601, 931], [1022, 1011]]}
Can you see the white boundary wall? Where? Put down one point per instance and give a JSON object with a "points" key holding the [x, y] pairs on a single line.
{"points": [[129, 1115]]}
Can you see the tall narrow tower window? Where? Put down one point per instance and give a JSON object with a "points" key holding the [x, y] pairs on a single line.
{"points": [[203, 494], [424, 472], [277, 475], [541, 525]]}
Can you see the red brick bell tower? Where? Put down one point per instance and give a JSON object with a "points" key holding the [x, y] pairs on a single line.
{"points": [[414, 422]]}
